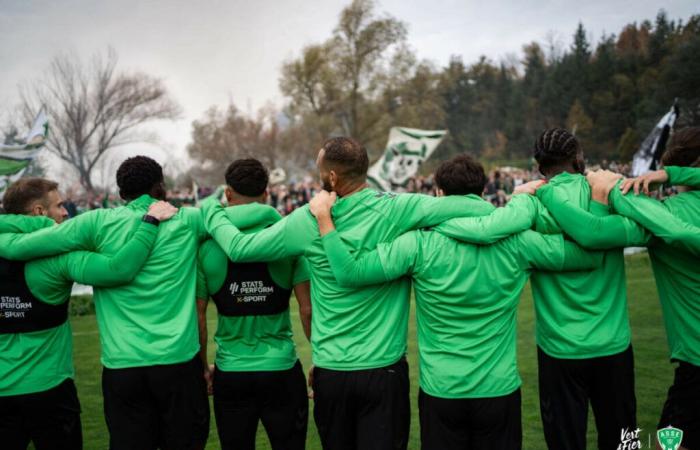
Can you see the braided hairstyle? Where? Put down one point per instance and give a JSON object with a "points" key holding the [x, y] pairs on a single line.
{"points": [[556, 148]]}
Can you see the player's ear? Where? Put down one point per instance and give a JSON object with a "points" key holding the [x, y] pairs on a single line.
{"points": [[333, 177], [37, 209], [439, 192], [228, 192]]}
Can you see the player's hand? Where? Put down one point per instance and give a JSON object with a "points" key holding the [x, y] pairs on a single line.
{"points": [[529, 187], [209, 378], [603, 179], [311, 381], [162, 210], [321, 204], [644, 181]]}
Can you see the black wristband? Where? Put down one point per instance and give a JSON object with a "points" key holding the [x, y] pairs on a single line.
{"points": [[150, 219]]}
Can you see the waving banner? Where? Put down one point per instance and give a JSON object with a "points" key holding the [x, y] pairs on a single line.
{"points": [[406, 150], [650, 152], [16, 155]]}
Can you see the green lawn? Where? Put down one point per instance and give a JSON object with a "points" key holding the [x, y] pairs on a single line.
{"points": [[653, 370]]}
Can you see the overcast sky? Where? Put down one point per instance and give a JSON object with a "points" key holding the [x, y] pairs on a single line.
{"points": [[210, 52]]}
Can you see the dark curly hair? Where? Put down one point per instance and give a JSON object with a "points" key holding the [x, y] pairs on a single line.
{"points": [[683, 149], [557, 147], [461, 175], [138, 176], [247, 177]]}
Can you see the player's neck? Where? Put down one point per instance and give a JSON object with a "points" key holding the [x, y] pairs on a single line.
{"points": [[350, 188]]}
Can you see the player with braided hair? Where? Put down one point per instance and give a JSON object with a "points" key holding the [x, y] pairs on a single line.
{"points": [[557, 150], [673, 250], [582, 327]]}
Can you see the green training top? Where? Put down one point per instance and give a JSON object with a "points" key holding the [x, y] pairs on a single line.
{"points": [[38, 361], [250, 343], [466, 300], [352, 329], [675, 267], [683, 176], [151, 320], [579, 314]]}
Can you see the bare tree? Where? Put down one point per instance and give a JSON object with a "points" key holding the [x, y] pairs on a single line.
{"points": [[224, 135], [94, 108]]}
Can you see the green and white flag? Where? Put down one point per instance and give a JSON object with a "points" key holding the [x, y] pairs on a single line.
{"points": [[406, 150], [15, 156]]}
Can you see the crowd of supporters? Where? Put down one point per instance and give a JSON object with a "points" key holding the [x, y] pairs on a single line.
{"points": [[288, 197]]}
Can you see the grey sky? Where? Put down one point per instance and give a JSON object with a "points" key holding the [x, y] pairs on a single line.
{"points": [[210, 52]]}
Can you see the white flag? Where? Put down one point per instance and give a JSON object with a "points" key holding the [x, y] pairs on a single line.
{"points": [[406, 150], [649, 153], [16, 156]]}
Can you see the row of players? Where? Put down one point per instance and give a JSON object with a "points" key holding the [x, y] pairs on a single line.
{"points": [[350, 258]]}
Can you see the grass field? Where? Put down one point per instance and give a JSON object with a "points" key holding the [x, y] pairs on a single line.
{"points": [[653, 370]]}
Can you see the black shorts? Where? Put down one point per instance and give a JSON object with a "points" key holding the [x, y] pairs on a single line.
{"points": [[150, 407], [277, 398], [568, 385], [367, 409], [492, 423], [682, 407], [50, 419]]}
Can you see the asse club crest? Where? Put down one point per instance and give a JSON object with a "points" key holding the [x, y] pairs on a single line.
{"points": [[670, 438]]}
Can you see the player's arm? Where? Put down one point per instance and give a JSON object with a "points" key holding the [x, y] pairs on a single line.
{"points": [[302, 292], [413, 211], [553, 253], [683, 176], [595, 229], [100, 270], [202, 296], [74, 234], [288, 237], [656, 218], [17, 223], [675, 175], [388, 262], [518, 215]]}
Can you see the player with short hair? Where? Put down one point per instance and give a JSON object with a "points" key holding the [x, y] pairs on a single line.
{"points": [[360, 380], [38, 399], [258, 376], [152, 379]]}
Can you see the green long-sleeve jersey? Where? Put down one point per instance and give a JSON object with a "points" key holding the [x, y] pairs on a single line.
{"points": [[675, 262], [578, 314], [151, 320], [466, 300], [673, 248], [352, 328], [683, 176], [250, 343], [40, 360]]}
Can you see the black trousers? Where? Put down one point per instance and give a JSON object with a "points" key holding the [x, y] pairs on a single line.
{"points": [[566, 387], [363, 409], [682, 407], [164, 406], [492, 423], [277, 398], [50, 419]]}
